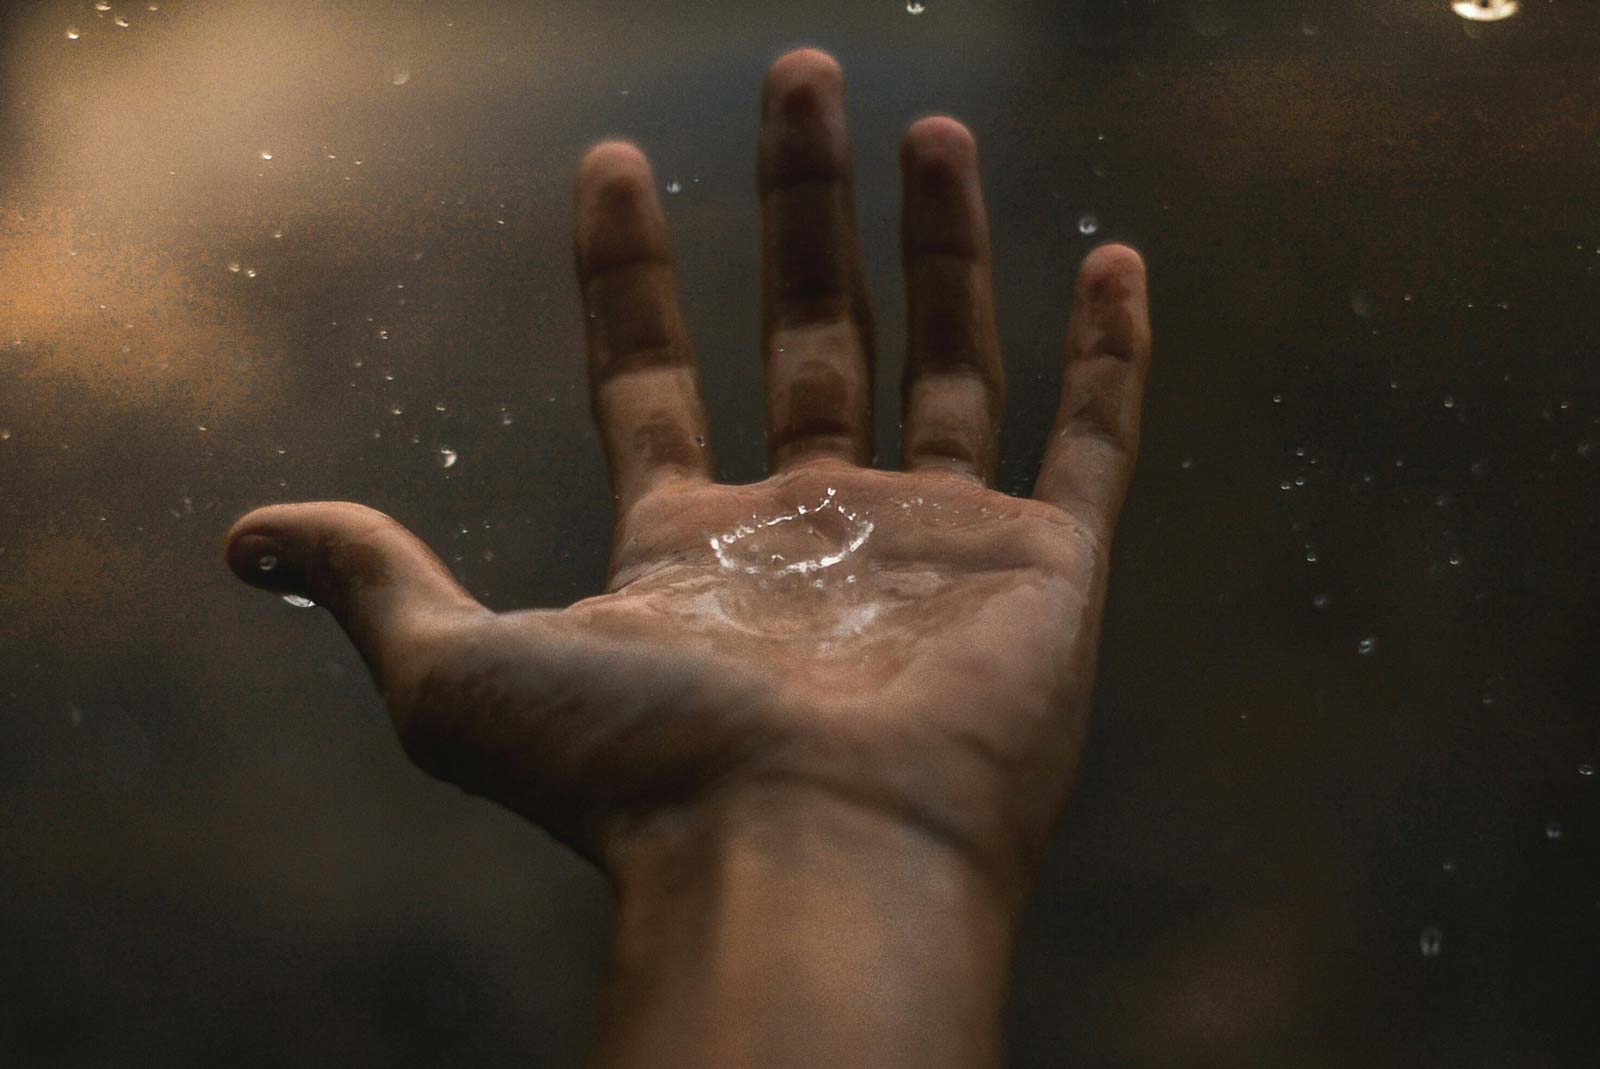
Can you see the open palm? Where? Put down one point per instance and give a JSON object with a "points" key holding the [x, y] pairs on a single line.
{"points": [[912, 642]]}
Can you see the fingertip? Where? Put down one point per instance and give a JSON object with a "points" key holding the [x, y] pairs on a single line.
{"points": [[801, 68], [1114, 262], [938, 140], [612, 159]]}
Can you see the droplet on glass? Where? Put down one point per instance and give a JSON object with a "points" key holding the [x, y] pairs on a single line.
{"points": [[447, 457], [233, 265], [102, 5], [674, 186], [298, 602], [1447, 865], [267, 562], [400, 77], [121, 21], [1366, 646], [1088, 224], [1449, 401], [1319, 601], [249, 272], [1552, 830], [72, 33], [1485, 10], [505, 417], [915, 7], [1431, 942], [1585, 770], [1309, 26], [266, 155], [1311, 556]]}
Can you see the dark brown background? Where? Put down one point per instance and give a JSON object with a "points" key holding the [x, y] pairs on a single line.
{"points": [[1372, 229]]}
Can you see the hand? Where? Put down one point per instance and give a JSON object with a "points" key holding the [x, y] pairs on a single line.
{"points": [[911, 644]]}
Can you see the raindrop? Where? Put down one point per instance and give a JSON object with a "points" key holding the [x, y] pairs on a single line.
{"points": [[233, 265], [72, 33], [1187, 463], [249, 272], [267, 562], [915, 7], [102, 5], [121, 21], [298, 602], [1088, 224], [1311, 556], [1309, 25], [1455, 559], [447, 457], [1431, 941], [1485, 10], [1448, 865], [1552, 830], [1585, 770], [400, 77], [1319, 601], [277, 233], [1299, 480], [395, 410], [700, 440], [1449, 401], [505, 417], [1366, 646], [674, 186], [1277, 398], [266, 155], [1286, 485]]}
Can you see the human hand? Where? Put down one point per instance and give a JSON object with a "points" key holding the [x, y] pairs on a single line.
{"points": [[911, 644]]}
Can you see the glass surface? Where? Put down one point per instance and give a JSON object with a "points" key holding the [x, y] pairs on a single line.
{"points": [[1338, 807]]}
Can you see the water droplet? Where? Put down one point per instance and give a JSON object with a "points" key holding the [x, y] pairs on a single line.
{"points": [[1447, 865], [298, 602], [1362, 304], [72, 33], [1552, 830], [505, 417], [1455, 559], [1187, 463], [1277, 398], [438, 406], [674, 186], [1311, 556], [1485, 10], [1299, 480], [1309, 26], [249, 272], [266, 155], [400, 77], [1088, 224], [267, 562], [233, 265], [700, 440], [278, 233], [1366, 646], [121, 21], [447, 457], [1432, 942], [1449, 401], [383, 335], [395, 410], [102, 5], [1286, 485], [1585, 770], [915, 7], [1319, 601]]}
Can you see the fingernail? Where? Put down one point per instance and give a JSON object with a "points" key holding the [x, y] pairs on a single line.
{"points": [[259, 559]]}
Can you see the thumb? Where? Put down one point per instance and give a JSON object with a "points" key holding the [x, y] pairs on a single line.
{"points": [[384, 586]]}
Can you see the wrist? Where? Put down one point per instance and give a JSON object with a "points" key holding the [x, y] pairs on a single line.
{"points": [[793, 927]]}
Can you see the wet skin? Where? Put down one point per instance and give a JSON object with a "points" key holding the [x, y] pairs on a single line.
{"points": [[916, 646]]}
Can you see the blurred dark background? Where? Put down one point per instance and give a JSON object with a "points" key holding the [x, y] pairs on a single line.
{"points": [[1339, 807]]}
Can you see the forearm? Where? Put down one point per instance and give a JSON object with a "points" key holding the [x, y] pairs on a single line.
{"points": [[812, 933]]}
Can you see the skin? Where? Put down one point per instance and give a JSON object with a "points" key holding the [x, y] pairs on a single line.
{"points": [[900, 675]]}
